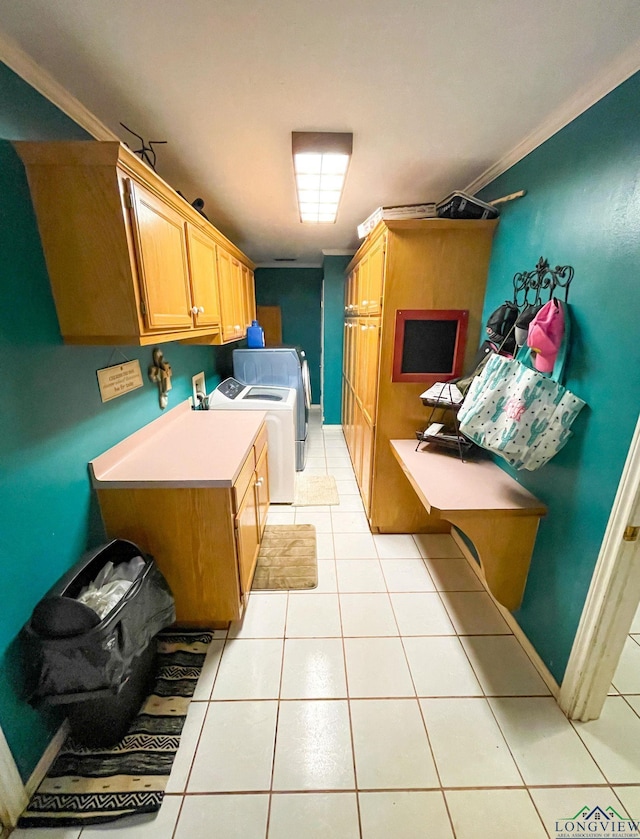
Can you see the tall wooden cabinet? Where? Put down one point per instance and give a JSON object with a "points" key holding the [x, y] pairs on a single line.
{"points": [[411, 264], [129, 260]]}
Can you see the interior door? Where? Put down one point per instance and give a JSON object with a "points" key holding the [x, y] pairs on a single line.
{"points": [[270, 319]]}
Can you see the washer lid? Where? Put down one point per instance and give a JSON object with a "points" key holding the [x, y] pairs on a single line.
{"points": [[270, 394]]}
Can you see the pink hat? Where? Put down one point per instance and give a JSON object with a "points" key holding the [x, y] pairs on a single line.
{"points": [[546, 331]]}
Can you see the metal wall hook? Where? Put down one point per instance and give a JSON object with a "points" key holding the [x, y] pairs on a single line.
{"points": [[541, 278], [160, 373]]}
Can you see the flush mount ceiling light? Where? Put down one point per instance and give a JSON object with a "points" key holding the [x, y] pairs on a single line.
{"points": [[320, 162]]}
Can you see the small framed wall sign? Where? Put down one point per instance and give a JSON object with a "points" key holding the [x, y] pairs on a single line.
{"points": [[119, 379]]}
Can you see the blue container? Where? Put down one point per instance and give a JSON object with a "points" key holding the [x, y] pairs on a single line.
{"points": [[255, 336]]}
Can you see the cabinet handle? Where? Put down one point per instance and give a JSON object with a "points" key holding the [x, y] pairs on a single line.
{"points": [[201, 310], [237, 327], [364, 302], [194, 310], [259, 482]]}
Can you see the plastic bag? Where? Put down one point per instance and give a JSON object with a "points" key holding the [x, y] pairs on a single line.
{"points": [[110, 585]]}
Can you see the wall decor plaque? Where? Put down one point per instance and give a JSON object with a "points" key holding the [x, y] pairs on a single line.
{"points": [[119, 379]]}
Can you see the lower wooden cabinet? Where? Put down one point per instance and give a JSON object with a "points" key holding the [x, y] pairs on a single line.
{"points": [[204, 540]]}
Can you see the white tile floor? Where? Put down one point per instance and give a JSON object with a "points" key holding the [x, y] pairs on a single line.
{"points": [[392, 702]]}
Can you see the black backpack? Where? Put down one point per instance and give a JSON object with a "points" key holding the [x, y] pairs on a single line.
{"points": [[500, 327]]}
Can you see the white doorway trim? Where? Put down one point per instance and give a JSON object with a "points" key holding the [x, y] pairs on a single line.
{"points": [[322, 350], [611, 603], [13, 796]]}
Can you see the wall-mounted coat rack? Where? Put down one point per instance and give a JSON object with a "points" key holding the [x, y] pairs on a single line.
{"points": [[542, 277]]}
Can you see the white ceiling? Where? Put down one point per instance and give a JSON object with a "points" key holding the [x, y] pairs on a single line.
{"points": [[434, 91]]}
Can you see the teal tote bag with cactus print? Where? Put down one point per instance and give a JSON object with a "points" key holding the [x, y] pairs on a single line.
{"points": [[518, 413]]}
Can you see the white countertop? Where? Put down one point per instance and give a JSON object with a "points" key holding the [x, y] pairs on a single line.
{"points": [[183, 448]]}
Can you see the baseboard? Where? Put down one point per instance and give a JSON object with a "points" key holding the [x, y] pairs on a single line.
{"points": [[513, 624], [50, 754], [13, 797]]}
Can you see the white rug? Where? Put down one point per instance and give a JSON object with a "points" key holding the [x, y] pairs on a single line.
{"points": [[312, 490]]}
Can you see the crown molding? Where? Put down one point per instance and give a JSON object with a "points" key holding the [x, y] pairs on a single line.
{"points": [[289, 265], [624, 66], [24, 66]]}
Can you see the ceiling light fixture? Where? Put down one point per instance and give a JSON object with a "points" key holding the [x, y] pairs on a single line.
{"points": [[320, 162]]}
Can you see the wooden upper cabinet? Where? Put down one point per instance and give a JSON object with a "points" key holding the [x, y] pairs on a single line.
{"points": [[129, 260], [204, 277], [162, 261]]}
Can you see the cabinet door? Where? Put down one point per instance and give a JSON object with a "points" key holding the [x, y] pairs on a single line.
{"points": [[204, 277], [162, 261], [360, 358], [348, 420], [371, 349], [376, 277], [247, 540], [227, 297], [237, 291], [367, 463], [262, 490], [356, 456], [363, 287], [249, 295], [346, 349]]}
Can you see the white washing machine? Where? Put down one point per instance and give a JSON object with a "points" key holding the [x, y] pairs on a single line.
{"points": [[280, 406]]}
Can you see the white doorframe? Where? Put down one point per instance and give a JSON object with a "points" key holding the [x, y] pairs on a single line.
{"points": [[13, 797], [322, 351], [611, 603]]}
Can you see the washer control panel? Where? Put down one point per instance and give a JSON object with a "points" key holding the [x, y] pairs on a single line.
{"points": [[231, 388]]}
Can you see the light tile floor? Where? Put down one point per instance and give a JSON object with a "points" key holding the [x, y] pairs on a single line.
{"points": [[392, 702]]}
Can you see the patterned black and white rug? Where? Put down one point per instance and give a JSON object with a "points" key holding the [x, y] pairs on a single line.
{"points": [[91, 786]]}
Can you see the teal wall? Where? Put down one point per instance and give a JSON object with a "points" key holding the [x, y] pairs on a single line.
{"points": [[334, 268], [582, 208], [52, 420], [298, 292]]}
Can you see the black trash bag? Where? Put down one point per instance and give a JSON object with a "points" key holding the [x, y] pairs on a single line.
{"points": [[70, 654]]}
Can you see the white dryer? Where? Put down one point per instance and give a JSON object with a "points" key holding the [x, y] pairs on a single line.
{"points": [[280, 406]]}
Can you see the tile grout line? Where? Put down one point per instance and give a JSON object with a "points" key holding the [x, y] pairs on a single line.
{"points": [[593, 757], [636, 711], [353, 745], [343, 790], [204, 719], [177, 822], [275, 733]]}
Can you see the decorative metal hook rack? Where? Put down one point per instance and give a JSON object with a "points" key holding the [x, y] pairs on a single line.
{"points": [[146, 152], [541, 278]]}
